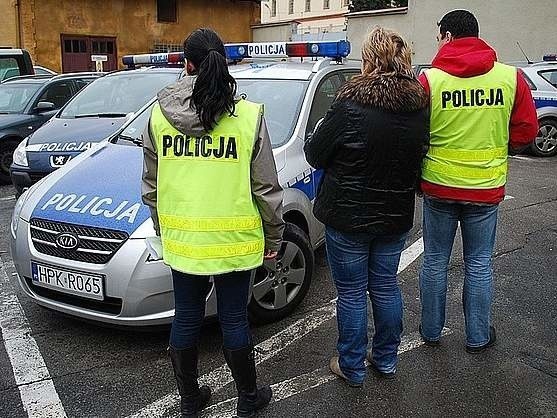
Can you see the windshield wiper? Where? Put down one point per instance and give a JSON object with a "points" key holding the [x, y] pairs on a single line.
{"points": [[101, 115], [136, 141]]}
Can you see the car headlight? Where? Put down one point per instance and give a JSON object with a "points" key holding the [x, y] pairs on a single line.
{"points": [[17, 212], [20, 154]]}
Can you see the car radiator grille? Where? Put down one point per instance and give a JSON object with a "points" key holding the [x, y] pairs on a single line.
{"points": [[96, 245]]}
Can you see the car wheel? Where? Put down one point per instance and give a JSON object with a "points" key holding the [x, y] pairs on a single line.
{"points": [[281, 284], [7, 149], [545, 144]]}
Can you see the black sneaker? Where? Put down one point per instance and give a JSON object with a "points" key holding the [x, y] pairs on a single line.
{"points": [[429, 343], [482, 348]]}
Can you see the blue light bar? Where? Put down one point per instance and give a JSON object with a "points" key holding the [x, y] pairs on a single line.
{"points": [[163, 59], [550, 57], [237, 52], [335, 49]]}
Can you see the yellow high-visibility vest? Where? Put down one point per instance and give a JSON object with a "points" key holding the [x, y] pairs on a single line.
{"points": [[209, 221], [470, 128]]}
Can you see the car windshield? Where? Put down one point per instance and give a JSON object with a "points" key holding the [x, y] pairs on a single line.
{"points": [[282, 100], [117, 95], [133, 130], [15, 96]]}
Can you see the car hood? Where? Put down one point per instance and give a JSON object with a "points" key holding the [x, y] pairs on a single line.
{"points": [[101, 188], [13, 119], [77, 134]]}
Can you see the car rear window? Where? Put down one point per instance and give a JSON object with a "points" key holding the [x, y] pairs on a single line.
{"points": [[550, 76], [8, 68]]}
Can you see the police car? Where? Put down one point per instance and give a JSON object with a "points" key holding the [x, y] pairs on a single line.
{"points": [[95, 113], [80, 236], [542, 78], [26, 103]]}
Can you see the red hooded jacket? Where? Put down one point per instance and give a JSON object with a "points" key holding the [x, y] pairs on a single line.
{"points": [[470, 57]]}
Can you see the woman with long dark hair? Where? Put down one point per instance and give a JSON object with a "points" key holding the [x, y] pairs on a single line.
{"points": [[211, 183]]}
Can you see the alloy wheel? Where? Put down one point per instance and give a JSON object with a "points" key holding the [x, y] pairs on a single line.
{"points": [[278, 282], [546, 140]]}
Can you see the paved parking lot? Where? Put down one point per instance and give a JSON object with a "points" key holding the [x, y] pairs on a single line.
{"points": [[83, 370]]}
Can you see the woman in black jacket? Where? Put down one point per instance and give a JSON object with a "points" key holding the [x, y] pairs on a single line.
{"points": [[370, 146]]}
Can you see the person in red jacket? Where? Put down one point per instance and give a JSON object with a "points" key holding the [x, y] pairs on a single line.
{"points": [[480, 111]]}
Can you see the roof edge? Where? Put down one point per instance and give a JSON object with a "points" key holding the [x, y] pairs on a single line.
{"points": [[380, 12]]}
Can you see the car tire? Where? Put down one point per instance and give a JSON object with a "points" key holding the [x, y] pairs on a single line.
{"points": [[7, 149], [281, 284], [545, 144]]}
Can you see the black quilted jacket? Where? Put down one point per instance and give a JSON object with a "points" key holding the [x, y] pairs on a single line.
{"points": [[370, 146]]}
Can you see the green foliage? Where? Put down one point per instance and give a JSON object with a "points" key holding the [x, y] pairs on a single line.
{"points": [[360, 5]]}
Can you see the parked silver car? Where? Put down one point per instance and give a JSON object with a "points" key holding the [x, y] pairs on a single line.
{"points": [[79, 236], [542, 78]]}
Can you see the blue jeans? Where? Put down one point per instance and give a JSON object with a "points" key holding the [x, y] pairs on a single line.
{"points": [[360, 263], [478, 225], [190, 294]]}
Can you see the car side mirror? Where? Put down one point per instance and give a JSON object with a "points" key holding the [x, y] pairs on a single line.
{"points": [[315, 128], [44, 107]]}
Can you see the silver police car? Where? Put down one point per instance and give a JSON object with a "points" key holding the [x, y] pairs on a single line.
{"points": [[79, 237], [542, 78]]}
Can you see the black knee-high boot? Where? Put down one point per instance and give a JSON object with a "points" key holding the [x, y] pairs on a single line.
{"points": [[250, 398], [192, 398]]}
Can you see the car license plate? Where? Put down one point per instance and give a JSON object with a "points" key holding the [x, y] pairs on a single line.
{"points": [[74, 282]]}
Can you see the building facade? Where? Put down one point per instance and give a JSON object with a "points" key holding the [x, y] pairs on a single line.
{"points": [[505, 24], [313, 17], [64, 34]]}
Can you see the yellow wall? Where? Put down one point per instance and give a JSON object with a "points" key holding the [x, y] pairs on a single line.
{"points": [[8, 27], [132, 22]]}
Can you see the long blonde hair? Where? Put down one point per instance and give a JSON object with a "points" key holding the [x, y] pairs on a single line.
{"points": [[385, 52]]}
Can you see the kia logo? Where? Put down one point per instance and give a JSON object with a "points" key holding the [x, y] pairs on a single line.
{"points": [[67, 241]]}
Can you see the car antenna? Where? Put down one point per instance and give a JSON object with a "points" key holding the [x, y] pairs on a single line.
{"points": [[524, 53]]}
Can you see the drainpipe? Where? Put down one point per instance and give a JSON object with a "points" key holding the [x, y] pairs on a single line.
{"points": [[18, 23]]}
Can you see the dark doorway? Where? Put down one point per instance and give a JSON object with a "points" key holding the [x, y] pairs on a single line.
{"points": [[77, 51]]}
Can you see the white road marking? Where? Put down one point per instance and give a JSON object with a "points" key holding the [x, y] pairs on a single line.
{"points": [[36, 388], [509, 197], [410, 255], [3, 199], [221, 377], [304, 382], [520, 157]]}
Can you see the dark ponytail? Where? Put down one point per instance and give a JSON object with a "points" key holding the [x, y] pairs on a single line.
{"points": [[215, 88]]}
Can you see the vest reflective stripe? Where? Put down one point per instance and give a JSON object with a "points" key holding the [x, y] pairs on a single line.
{"points": [[210, 223], [470, 128], [214, 251], [464, 172], [469, 155]]}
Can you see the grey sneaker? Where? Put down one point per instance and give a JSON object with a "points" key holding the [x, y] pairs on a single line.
{"points": [[379, 373]]}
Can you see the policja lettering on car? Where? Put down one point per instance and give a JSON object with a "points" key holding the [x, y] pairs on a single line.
{"points": [[68, 146], [472, 98], [94, 206], [205, 147]]}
